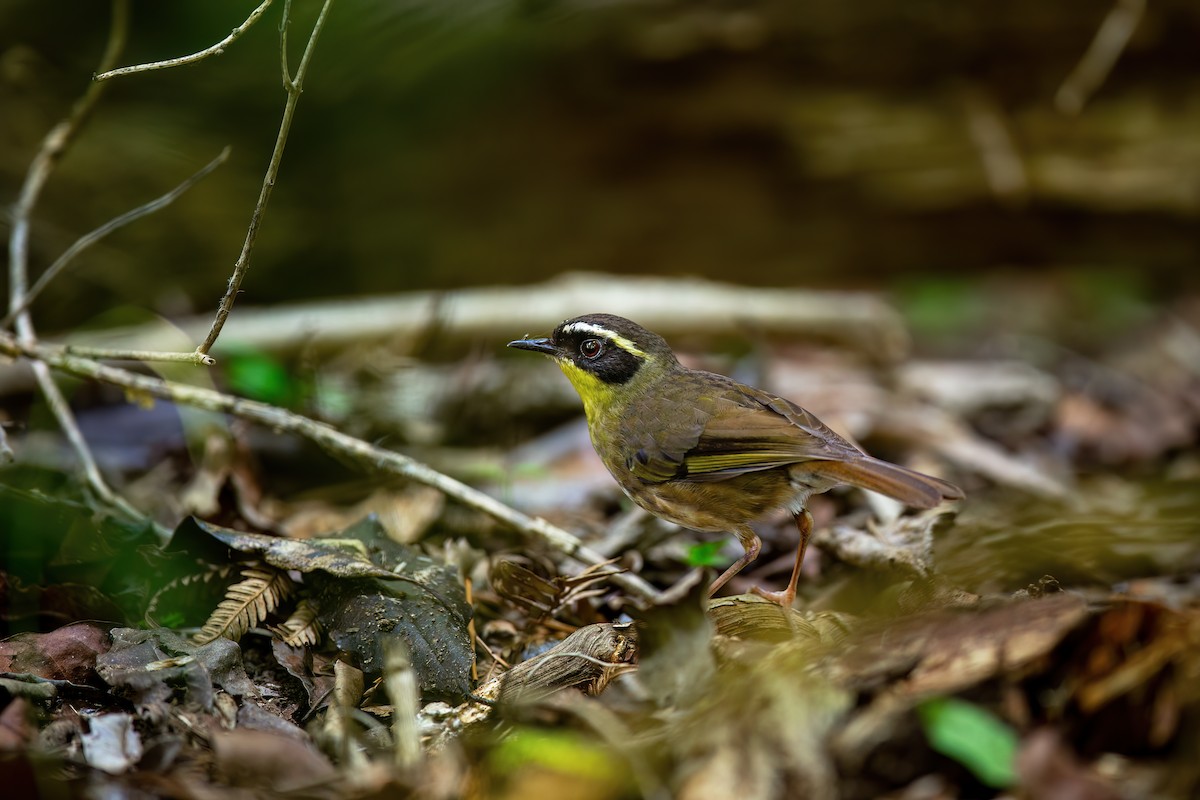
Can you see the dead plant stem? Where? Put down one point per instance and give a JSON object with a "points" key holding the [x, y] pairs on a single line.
{"points": [[53, 146], [294, 87], [214, 50]]}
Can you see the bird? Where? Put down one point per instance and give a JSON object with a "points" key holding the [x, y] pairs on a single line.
{"points": [[706, 452]]}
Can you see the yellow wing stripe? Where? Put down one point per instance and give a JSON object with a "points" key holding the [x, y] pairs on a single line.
{"points": [[723, 461]]}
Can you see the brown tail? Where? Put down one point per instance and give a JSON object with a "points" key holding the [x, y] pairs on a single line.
{"points": [[909, 487]]}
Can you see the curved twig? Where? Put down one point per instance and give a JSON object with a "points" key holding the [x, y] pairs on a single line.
{"points": [[88, 239], [293, 87], [214, 50]]}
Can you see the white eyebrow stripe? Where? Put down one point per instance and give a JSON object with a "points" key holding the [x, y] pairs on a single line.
{"points": [[587, 327], [620, 341]]}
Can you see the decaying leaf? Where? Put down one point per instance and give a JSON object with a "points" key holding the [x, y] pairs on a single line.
{"points": [[589, 658], [155, 666], [422, 601], [67, 653], [361, 614], [363, 587], [343, 558], [313, 669]]}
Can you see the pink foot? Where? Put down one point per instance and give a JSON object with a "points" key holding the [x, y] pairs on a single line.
{"points": [[784, 598]]}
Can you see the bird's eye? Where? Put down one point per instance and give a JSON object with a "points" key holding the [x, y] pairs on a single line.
{"points": [[590, 348]]}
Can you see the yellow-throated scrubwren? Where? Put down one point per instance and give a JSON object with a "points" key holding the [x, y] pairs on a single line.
{"points": [[705, 451]]}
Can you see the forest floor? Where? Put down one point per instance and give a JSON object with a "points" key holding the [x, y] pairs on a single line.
{"points": [[291, 627]]}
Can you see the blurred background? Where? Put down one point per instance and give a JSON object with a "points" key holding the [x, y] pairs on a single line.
{"points": [[962, 233], [940, 151]]}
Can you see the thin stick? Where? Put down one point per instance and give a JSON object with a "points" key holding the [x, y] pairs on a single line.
{"points": [[215, 50], [109, 354], [56, 143], [1101, 56], [294, 87], [334, 441], [88, 239], [284, 66]]}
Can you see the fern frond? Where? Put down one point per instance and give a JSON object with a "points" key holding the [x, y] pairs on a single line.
{"points": [[302, 627], [246, 604], [206, 575]]}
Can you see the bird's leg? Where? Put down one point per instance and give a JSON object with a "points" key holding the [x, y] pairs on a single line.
{"points": [[751, 544], [804, 523]]}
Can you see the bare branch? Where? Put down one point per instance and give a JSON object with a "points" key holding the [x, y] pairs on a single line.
{"points": [[88, 239], [294, 88], [199, 359], [214, 50], [56, 143], [288, 83], [334, 441], [1112, 37], [66, 420]]}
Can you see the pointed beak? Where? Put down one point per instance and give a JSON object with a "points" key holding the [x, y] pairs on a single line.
{"points": [[536, 345]]}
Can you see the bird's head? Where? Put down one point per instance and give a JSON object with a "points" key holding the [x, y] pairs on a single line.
{"points": [[607, 358]]}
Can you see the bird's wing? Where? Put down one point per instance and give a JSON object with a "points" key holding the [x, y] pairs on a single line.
{"points": [[732, 430]]}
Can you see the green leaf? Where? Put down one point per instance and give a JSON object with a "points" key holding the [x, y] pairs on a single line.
{"points": [[561, 751], [259, 376], [705, 554], [972, 736]]}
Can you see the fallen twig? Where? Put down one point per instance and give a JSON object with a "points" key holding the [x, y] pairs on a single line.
{"points": [[109, 354]]}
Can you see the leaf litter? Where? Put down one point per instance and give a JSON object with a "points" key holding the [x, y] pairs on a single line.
{"points": [[1043, 639]]}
